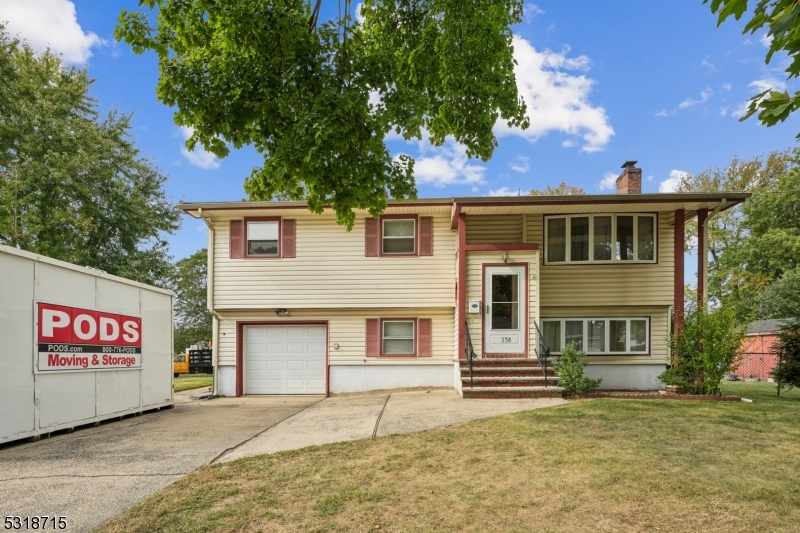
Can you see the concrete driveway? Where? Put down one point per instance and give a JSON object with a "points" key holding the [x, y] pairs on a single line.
{"points": [[342, 418], [93, 474]]}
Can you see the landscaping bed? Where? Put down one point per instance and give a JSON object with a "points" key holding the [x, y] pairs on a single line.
{"points": [[595, 465]]}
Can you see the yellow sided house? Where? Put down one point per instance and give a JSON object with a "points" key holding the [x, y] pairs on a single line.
{"points": [[479, 294]]}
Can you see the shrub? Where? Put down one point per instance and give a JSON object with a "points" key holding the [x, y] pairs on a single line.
{"points": [[569, 369], [707, 349], [787, 373]]}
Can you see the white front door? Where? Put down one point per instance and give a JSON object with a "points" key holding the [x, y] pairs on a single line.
{"points": [[505, 322], [284, 359]]}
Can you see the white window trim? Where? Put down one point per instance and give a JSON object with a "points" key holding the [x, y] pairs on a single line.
{"points": [[413, 337], [613, 259], [384, 236], [607, 319]]}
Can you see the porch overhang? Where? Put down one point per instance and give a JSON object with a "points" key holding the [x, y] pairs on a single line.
{"points": [[690, 203]]}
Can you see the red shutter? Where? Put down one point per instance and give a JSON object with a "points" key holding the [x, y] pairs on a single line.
{"points": [[288, 238], [425, 333], [372, 238], [425, 235], [235, 239], [373, 337]]}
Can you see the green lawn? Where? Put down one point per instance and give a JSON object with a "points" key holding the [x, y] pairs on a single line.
{"points": [[192, 381], [753, 390], [601, 465]]}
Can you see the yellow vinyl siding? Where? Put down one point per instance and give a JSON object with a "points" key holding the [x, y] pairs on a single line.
{"points": [[347, 327], [609, 284], [331, 271], [494, 229], [659, 329], [475, 261]]}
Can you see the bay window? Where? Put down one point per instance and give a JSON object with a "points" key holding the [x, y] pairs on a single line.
{"points": [[598, 336], [600, 238]]}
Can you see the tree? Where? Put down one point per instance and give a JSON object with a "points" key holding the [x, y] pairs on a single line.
{"points": [[781, 298], [781, 18], [706, 350], [561, 189], [72, 184], [749, 245], [192, 318], [787, 348], [316, 100]]}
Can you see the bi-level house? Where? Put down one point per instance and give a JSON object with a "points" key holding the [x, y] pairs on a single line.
{"points": [[302, 306]]}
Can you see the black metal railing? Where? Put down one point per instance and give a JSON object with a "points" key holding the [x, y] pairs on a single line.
{"points": [[542, 351], [469, 353]]}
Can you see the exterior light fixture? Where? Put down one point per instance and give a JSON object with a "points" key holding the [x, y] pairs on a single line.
{"points": [[505, 257], [281, 312]]}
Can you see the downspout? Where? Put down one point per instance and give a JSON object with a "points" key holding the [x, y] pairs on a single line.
{"points": [[210, 303], [705, 252]]}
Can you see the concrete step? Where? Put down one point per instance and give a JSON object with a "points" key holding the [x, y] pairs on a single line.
{"points": [[528, 381], [512, 392], [509, 371]]}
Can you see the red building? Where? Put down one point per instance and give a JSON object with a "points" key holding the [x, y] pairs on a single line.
{"points": [[758, 358]]}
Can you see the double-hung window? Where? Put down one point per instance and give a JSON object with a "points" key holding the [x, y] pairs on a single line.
{"points": [[397, 337], [598, 336], [600, 238], [399, 236], [263, 238]]}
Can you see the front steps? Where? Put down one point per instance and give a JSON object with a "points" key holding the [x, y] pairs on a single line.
{"points": [[508, 378]]}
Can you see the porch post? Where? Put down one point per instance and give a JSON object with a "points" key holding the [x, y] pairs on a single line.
{"points": [[461, 285], [702, 256], [678, 274]]}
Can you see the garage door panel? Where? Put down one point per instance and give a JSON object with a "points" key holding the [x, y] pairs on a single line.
{"points": [[285, 359], [276, 347]]}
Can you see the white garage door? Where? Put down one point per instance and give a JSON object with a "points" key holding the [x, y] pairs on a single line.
{"points": [[284, 360]]}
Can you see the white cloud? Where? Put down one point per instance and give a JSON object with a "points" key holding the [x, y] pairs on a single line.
{"points": [[521, 164], [505, 191], [766, 40], [705, 94], [724, 111], [532, 10], [726, 86], [662, 113], [650, 178], [709, 65], [49, 23], [446, 165], [739, 110], [569, 143], [198, 157], [767, 84], [557, 100], [609, 182], [671, 183]]}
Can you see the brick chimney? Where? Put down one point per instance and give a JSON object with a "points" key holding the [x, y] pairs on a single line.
{"points": [[630, 181]]}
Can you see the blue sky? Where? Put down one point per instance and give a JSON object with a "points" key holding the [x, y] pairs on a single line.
{"points": [[605, 81]]}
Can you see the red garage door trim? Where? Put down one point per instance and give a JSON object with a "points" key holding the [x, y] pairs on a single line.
{"points": [[240, 324]]}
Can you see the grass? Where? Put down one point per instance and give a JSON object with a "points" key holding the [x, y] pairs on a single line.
{"points": [[192, 381], [600, 465], [757, 390]]}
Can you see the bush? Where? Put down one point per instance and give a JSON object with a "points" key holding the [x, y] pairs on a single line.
{"points": [[708, 348], [569, 369], [787, 373]]}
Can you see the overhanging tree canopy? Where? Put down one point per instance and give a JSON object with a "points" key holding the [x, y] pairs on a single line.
{"points": [[781, 19], [316, 101]]}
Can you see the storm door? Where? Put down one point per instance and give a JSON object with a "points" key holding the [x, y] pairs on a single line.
{"points": [[505, 322]]}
